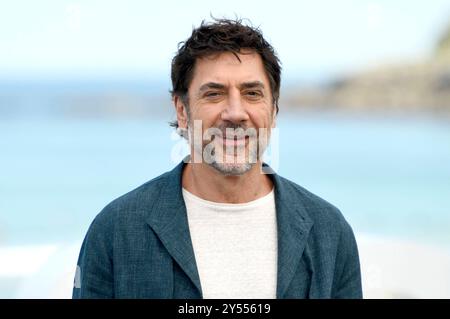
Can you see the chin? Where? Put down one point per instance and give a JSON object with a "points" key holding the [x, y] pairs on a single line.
{"points": [[231, 168]]}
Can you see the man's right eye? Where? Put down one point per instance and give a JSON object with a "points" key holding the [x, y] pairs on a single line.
{"points": [[212, 94]]}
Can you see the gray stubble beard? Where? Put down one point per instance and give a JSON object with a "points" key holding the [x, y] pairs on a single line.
{"points": [[241, 164]]}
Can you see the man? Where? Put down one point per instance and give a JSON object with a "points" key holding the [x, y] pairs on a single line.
{"points": [[218, 226]]}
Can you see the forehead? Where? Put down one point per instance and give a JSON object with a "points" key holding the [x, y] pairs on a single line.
{"points": [[226, 69]]}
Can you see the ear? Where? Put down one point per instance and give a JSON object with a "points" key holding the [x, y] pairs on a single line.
{"points": [[181, 112]]}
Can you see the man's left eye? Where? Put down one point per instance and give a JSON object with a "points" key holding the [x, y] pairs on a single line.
{"points": [[254, 93]]}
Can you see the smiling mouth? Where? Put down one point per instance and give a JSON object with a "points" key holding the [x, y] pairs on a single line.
{"points": [[233, 141]]}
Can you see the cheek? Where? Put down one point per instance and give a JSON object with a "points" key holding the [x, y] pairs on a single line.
{"points": [[208, 114], [261, 118], [209, 117]]}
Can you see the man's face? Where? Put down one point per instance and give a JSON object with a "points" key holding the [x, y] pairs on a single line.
{"points": [[227, 94]]}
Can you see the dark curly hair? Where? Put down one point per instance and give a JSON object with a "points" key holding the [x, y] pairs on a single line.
{"points": [[222, 35]]}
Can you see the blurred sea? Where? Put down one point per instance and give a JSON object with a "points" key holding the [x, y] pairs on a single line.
{"points": [[388, 176]]}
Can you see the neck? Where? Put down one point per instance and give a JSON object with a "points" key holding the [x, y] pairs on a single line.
{"points": [[206, 182]]}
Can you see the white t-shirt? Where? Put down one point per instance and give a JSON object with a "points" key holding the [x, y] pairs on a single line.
{"points": [[235, 246]]}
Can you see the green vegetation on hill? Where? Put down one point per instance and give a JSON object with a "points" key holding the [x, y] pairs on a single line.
{"points": [[443, 45]]}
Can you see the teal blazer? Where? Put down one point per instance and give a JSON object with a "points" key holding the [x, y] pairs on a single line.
{"points": [[139, 246]]}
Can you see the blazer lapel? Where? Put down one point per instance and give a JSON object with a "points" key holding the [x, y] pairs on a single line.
{"points": [[293, 226], [169, 221]]}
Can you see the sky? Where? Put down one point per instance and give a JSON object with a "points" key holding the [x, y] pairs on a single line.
{"points": [[314, 39]]}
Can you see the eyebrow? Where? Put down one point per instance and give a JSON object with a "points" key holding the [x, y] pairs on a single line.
{"points": [[252, 85], [211, 85], [218, 86]]}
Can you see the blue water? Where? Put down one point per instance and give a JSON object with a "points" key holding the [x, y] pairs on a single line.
{"points": [[389, 176]]}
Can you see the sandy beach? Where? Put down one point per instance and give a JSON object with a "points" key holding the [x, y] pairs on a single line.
{"points": [[395, 268], [391, 268]]}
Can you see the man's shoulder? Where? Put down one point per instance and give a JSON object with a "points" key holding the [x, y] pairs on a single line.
{"points": [[329, 226], [316, 208], [136, 202]]}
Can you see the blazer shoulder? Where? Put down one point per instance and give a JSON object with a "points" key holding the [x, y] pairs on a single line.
{"points": [[137, 201], [317, 208], [329, 226]]}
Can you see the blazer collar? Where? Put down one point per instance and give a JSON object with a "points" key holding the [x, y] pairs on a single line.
{"points": [[293, 227], [169, 220]]}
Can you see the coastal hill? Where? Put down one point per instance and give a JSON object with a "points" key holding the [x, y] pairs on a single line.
{"points": [[409, 86]]}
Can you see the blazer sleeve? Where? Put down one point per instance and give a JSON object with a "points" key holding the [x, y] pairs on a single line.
{"points": [[94, 276], [347, 282]]}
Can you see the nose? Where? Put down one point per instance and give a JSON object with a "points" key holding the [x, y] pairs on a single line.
{"points": [[234, 111]]}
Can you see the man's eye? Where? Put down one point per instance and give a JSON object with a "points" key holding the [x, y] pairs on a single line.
{"points": [[212, 94], [254, 94]]}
